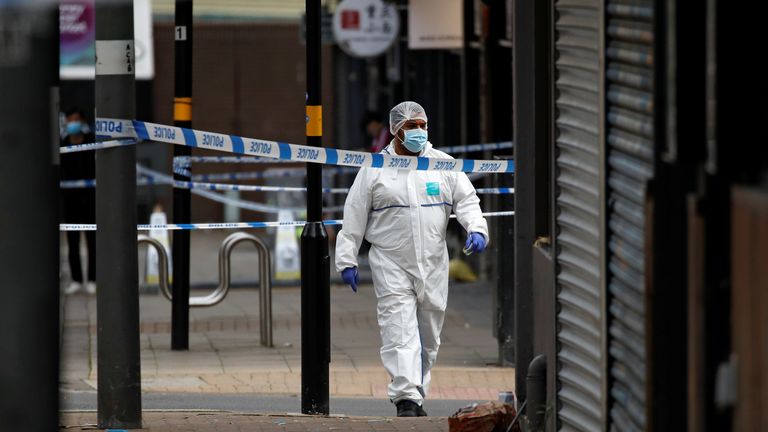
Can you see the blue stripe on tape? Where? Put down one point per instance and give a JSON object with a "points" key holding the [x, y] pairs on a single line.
{"points": [[237, 144], [232, 225], [141, 130], [331, 156], [285, 150], [423, 164], [377, 160], [510, 166], [469, 165], [189, 137]]}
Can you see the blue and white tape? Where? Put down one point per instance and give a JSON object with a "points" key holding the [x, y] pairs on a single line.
{"points": [[110, 128], [97, 145], [249, 188], [161, 178], [227, 159], [197, 226], [477, 147], [255, 188], [259, 160], [270, 173], [81, 184], [295, 152], [77, 184], [287, 172], [233, 225], [496, 191], [91, 183]]}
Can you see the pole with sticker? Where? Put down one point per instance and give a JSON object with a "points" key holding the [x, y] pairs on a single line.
{"points": [[117, 299], [182, 199], [315, 259]]}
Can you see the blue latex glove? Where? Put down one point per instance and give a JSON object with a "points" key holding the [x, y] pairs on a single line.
{"points": [[475, 243], [350, 277]]}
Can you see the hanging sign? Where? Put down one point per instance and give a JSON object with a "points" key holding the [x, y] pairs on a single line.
{"points": [[365, 28], [435, 24]]}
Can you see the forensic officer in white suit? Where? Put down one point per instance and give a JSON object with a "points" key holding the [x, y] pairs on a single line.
{"points": [[404, 215]]}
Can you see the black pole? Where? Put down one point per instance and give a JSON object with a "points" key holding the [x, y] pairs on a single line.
{"points": [[315, 261], [530, 63], [182, 117], [29, 311], [505, 284], [117, 301]]}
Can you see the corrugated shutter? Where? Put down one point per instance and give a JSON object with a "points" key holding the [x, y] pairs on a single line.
{"points": [[580, 338], [629, 131]]}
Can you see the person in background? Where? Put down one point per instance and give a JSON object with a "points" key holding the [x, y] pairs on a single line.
{"points": [[79, 205], [377, 131], [404, 215]]}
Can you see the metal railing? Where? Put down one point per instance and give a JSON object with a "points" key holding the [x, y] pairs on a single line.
{"points": [[221, 291]]}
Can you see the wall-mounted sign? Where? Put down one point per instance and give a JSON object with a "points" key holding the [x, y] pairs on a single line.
{"points": [[77, 28], [365, 28], [435, 24]]}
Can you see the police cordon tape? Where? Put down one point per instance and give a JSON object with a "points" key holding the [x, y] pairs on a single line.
{"points": [[287, 172], [226, 159], [469, 148], [161, 178], [98, 145], [260, 160], [254, 206], [234, 225], [269, 173], [116, 128], [91, 183], [76, 184], [255, 188]]}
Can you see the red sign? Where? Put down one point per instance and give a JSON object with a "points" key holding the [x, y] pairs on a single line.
{"points": [[350, 20]]}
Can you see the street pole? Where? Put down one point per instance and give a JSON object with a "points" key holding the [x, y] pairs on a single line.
{"points": [[505, 289], [182, 117], [29, 234], [315, 260], [117, 300]]}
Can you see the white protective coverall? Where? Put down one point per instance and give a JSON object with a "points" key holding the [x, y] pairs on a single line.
{"points": [[404, 215]]}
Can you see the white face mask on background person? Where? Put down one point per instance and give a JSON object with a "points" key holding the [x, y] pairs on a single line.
{"points": [[75, 127]]}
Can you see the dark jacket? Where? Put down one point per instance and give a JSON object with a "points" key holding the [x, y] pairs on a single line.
{"points": [[78, 205]]}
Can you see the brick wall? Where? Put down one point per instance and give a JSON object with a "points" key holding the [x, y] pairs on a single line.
{"points": [[248, 80]]}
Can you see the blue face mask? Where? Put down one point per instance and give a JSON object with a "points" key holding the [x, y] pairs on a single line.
{"points": [[74, 128], [415, 140]]}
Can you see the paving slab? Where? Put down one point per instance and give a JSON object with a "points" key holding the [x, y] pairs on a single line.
{"points": [[225, 354]]}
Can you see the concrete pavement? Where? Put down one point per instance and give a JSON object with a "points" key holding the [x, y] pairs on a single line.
{"points": [[225, 355], [259, 404], [228, 381], [218, 421]]}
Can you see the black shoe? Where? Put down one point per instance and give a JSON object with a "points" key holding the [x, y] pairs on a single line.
{"points": [[407, 408], [421, 411]]}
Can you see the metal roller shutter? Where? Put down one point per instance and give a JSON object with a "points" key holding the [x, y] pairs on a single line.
{"points": [[629, 132], [580, 338]]}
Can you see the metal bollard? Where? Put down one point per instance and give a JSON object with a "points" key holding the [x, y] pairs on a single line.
{"points": [[221, 291]]}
